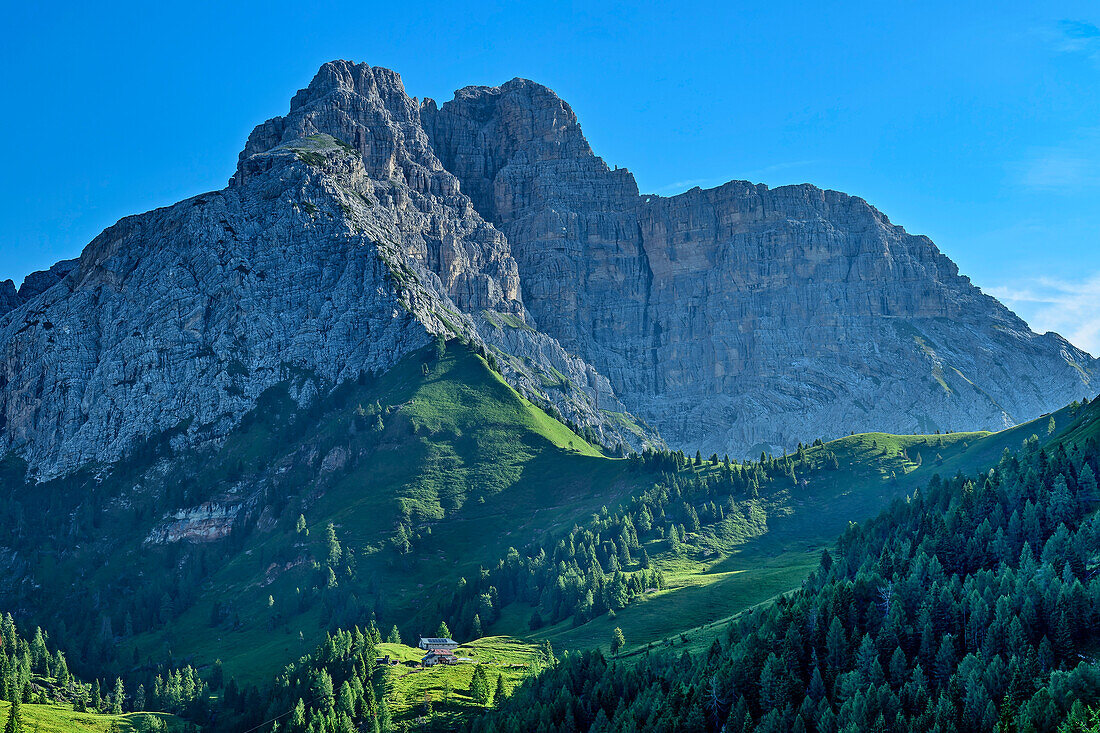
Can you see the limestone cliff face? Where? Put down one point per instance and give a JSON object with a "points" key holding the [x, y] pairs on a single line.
{"points": [[741, 316], [362, 223], [340, 246]]}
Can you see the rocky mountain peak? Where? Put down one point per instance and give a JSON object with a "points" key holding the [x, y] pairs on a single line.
{"points": [[340, 245], [361, 223], [367, 108]]}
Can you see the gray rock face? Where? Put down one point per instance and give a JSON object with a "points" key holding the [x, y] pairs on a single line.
{"points": [[33, 284], [361, 223], [322, 255], [742, 317]]}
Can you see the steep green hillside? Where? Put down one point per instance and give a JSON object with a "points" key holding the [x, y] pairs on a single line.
{"points": [[717, 575], [423, 476]]}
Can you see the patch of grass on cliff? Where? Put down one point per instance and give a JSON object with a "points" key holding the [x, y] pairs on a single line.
{"points": [[310, 157]]}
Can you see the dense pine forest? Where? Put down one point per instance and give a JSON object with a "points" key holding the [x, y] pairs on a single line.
{"points": [[970, 607]]}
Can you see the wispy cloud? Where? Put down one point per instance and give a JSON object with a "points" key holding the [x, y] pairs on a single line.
{"points": [[1068, 307], [1073, 37], [1073, 165]]}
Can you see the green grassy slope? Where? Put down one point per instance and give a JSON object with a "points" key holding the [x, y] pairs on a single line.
{"points": [[467, 464], [473, 468], [63, 719]]}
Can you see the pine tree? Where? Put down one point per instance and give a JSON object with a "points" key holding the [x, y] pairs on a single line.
{"points": [[116, 698], [322, 690], [618, 641], [500, 693], [479, 686], [394, 636], [298, 717], [332, 545], [15, 716], [836, 647], [443, 632]]}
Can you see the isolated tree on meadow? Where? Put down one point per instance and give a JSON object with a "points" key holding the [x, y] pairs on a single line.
{"points": [[618, 641], [332, 545]]}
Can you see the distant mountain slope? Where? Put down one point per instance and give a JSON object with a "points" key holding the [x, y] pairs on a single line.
{"points": [[742, 317]]}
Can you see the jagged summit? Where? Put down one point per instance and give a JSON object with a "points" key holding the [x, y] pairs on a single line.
{"points": [[362, 223]]}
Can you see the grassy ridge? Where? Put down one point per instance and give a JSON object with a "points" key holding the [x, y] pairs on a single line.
{"points": [[724, 576], [476, 469]]}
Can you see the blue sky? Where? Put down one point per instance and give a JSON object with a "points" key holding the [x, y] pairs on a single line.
{"points": [[978, 126]]}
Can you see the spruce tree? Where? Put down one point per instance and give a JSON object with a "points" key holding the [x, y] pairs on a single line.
{"points": [[116, 698], [15, 716], [332, 545], [479, 686], [618, 641]]}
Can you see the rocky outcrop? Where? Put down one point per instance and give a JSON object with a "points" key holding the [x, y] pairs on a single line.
{"points": [[33, 285], [205, 523], [742, 317]]}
